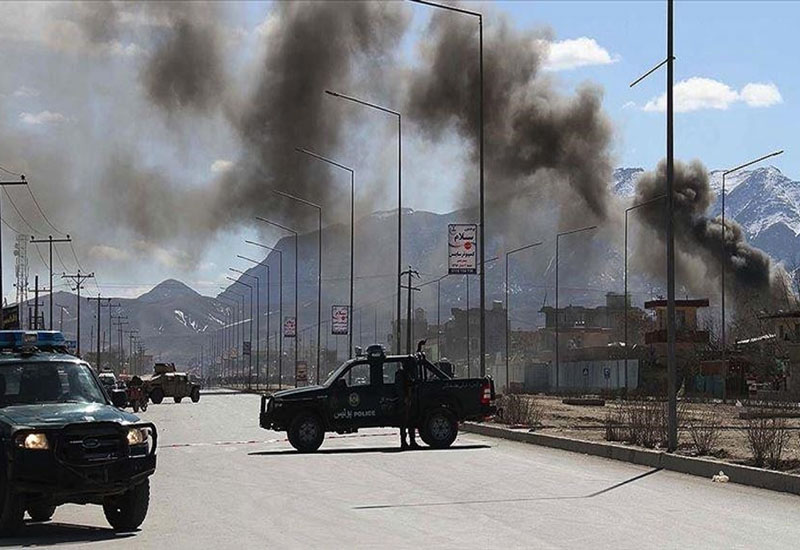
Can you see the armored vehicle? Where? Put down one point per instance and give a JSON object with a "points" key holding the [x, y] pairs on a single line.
{"points": [[64, 438], [166, 382]]}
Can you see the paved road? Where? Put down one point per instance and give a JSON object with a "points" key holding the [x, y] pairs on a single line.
{"points": [[224, 483]]}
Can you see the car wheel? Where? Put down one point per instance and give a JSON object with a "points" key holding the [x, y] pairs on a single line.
{"points": [[127, 511], [12, 511], [195, 395], [177, 399], [306, 432], [157, 395], [440, 428], [41, 512]]}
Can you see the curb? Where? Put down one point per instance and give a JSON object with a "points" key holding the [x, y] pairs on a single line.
{"points": [[703, 467]]}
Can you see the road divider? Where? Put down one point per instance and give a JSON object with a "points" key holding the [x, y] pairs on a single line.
{"points": [[703, 467]]}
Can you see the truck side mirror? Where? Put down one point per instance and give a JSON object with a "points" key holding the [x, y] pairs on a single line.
{"points": [[119, 398]]}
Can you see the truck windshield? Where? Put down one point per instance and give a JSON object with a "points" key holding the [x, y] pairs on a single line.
{"points": [[34, 383]]}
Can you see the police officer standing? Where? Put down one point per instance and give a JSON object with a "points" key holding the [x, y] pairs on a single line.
{"points": [[404, 382]]}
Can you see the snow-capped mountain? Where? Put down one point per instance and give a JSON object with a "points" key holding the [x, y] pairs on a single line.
{"points": [[764, 201]]}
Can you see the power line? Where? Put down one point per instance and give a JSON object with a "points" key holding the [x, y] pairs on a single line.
{"points": [[46, 219], [21, 217], [58, 255], [39, 252], [7, 171]]}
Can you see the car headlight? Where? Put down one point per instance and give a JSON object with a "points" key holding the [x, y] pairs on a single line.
{"points": [[138, 436], [33, 441]]}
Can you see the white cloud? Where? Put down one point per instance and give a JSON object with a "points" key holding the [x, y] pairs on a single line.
{"points": [[757, 94], [26, 91], [104, 252], [628, 105], [221, 165], [699, 93], [43, 117], [564, 55]]}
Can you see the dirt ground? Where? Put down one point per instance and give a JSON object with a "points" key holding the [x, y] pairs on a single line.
{"points": [[589, 423]]}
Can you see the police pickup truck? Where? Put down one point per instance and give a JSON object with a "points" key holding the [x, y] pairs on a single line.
{"points": [[362, 393], [64, 439]]}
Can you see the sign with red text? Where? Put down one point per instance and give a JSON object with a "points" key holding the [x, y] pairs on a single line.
{"points": [[462, 248]]}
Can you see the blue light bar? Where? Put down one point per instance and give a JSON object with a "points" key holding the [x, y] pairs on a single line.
{"points": [[17, 339]]}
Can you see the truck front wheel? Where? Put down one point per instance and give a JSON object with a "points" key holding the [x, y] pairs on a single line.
{"points": [[157, 395], [127, 511], [306, 432], [12, 510], [41, 512], [440, 428], [195, 395]]}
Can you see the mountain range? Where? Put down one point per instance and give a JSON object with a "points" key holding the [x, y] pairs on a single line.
{"points": [[174, 321]]}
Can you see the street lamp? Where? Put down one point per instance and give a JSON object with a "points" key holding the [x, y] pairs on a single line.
{"points": [[280, 311], [319, 267], [508, 254], [258, 322], [232, 324], [399, 194], [558, 236], [482, 238], [296, 291], [625, 294], [672, 370], [724, 257], [352, 235], [239, 330]]}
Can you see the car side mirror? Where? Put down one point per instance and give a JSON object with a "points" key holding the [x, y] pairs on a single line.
{"points": [[119, 398]]}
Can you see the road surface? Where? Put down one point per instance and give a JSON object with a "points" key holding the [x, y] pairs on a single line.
{"points": [[222, 482]]}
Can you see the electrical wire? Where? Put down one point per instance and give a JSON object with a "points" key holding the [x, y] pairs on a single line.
{"points": [[7, 171], [39, 252], [58, 255], [21, 217], [11, 227], [44, 216]]}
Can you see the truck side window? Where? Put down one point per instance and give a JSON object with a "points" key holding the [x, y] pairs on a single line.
{"points": [[390, 371], [358, 375]]}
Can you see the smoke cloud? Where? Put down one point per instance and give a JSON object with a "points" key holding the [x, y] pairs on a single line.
{"points": [[535, 137], [698, 239]]}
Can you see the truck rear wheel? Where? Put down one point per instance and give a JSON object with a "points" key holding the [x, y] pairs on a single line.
{"points": [[127, 511], [306, 432], [157, 395], [440, 428], [178, 398], [41, 512], [12, 511], [195, 395]]}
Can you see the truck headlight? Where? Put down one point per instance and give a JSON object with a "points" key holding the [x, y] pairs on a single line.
{"points": [[33, 441], [138, 436]]}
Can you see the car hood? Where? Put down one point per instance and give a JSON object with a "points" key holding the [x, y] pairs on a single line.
{"points": [[60, 414], [299, 393]]}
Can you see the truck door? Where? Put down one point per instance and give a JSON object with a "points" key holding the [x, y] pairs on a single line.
{"points": [[355, 399], [391, 397]]}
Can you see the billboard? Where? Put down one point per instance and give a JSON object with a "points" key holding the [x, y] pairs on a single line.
{"points": [[289, 327], [11, 318], [340, 320], [462, 248]]}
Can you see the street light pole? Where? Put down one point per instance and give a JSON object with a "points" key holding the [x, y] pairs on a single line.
{"points": [[258, 323], [722, 264], [280, 311], [399, 195], [250, 354], [558, 236], [508, 331], [625, 294], [319, 267], [352, 236], [482, 238]]}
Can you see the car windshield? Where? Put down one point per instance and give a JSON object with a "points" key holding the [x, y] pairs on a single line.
{"points": [[32, 383]]}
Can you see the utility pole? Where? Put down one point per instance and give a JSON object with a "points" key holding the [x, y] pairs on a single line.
{"points": [[21, 181], [79, 278], [409, 273], [50, 240], [121, 320], [99, 304]]}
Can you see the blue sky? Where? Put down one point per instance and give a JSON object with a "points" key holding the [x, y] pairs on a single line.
{"points": [[61, 96], [731, 42]]}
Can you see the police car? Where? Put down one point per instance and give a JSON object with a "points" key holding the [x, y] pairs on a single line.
{"points": [[64, 439]]}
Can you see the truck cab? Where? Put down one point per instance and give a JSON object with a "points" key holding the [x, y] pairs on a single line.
{"points": [[363, 393], [64, 439]]}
